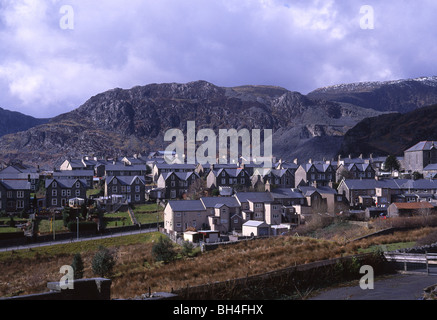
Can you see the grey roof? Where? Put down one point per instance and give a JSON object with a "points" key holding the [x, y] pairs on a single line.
{"points": [[366, 184], [255, 223], [122, 167], [322, 190], [126, 180], [279, 193], [423, 145], [16, 184], [432, 166], [321, 167], [254, 196], [74, 173], [231, 172], [186, 205], [210, 202], [360, 166], [181, 175], [175, 166], [404, 184], [65, 183]]}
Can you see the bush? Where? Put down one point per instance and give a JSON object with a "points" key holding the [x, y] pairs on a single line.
{"points": [[77, 266], [163, 250], [103, 262], [187, 248], [84, 226]]}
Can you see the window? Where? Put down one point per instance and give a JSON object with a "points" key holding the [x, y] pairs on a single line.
{"points": [[114, 189], [123, 189], [77, 193], [114, 181], [20, 204], [54, 202], [137, 189], [54, 193], [77, 185], [20, 194], [137, 197], [9, 194], [223, 181], [128, 189], [54, 184], [68, 193], [64, 192]]}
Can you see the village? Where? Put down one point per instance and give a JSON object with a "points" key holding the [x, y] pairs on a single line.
{"points": [[228, 201]]}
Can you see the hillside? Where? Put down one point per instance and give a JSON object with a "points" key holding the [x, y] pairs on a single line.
{"points": [[389, 96], [391, 133], [127, 121], [12, 122]]}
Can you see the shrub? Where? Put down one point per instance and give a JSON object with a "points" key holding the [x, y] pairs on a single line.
{"points": [[103, 262], [84, 226], [163, 250], [77, 266], [187, 248]]}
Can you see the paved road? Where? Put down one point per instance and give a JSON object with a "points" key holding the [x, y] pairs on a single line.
{"points": [[45, 244], [393, 287]]}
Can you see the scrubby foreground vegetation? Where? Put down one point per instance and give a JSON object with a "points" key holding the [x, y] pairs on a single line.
{"points": [[137, 269]]}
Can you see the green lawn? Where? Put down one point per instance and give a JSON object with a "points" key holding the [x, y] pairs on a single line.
{"points": [[44, 226], [80, 247], [389, 247]]}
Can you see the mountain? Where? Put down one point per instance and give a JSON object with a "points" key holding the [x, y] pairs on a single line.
{"points": [[127, 121], [391, 133], [389, 96], [12, 122]]}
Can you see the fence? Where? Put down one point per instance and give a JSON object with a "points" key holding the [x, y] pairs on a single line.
{"points": [[284, 282], [412, 262]]}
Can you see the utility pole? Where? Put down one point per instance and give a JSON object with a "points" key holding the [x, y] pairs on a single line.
{"points": [[77, 218]]}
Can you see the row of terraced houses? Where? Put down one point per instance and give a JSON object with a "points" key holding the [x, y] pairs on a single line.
{"points": [[295, 189]]}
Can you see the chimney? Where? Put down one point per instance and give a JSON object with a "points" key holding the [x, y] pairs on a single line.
{"points": [[295, 161], [310, 161], [361, 156]]}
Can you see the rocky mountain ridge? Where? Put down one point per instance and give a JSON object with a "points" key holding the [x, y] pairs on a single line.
{"points": [[127, 121]]}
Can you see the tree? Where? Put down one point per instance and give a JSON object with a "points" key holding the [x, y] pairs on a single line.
{"points": [[392, 163], [163, 250], [187, 248], [103, 262], [66, 216], [77, 266]]}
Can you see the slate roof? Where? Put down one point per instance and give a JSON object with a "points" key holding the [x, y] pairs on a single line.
{"points": [[280, 193], [186, 205], [65, 183], [423, 145], [125, 180], [16, 184], [210, 202], [254, 196], [367, 184], [74, 173], [181, 175]]}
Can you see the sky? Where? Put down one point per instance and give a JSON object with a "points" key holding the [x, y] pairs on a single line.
{"points": [[56, 54]]}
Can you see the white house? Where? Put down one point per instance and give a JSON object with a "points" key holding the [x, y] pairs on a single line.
{"points": [[255, 228]]}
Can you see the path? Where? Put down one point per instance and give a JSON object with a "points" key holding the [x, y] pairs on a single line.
{"points": [[393, 287]]}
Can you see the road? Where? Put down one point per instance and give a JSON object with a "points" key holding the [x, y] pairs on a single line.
{"points": [[52, 243], [393, 287]]}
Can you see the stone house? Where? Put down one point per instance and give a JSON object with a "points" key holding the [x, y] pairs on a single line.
{"points": [[131, 189], [420, 155], [310, 173], [15, 196], [176, 184], [59, 191]]}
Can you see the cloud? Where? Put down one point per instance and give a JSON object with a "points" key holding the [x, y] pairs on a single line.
{"points": [[297, 44]]}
